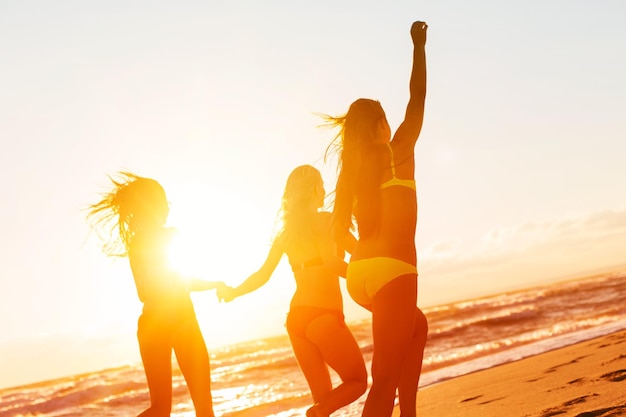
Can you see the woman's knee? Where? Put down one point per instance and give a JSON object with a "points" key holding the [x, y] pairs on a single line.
{"points": [[359, 384], [357, 375], [389, 372]]}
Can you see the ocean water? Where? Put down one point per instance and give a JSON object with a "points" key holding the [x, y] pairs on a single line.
{"points": [[261, 378]]}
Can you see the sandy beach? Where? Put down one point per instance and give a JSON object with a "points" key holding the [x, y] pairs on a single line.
{"points": [[585, 380]]}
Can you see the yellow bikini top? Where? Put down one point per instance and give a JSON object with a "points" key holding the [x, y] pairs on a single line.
{"points": [[395, 180]]}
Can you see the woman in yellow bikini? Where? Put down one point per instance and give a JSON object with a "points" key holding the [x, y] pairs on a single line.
{"points": [[376, 186], [315, 323]]}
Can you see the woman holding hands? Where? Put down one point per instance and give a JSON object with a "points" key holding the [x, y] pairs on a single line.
{"points": [[315, 323]]}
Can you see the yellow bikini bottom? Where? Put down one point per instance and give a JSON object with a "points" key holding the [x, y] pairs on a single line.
{"points": [[366, 276]]}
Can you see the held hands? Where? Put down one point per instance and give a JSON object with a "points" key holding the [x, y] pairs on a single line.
{"points": [[226, 293], [418, 33]]}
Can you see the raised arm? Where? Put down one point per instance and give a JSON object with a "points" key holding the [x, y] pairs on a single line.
{"points": [[410, 128], [257, 279]]}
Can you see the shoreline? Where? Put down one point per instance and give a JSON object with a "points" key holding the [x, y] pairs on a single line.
{"points": [[581, 379]]}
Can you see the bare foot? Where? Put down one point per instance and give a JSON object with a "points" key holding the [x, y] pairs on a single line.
{"points": [[314, 412]]}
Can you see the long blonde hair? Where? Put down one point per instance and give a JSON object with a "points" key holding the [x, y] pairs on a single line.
{"points": [[134, 203], [302, 197], [360, 167]]}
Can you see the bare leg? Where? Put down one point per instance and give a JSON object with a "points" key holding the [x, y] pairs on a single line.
{"points": [[314, 369], [412, 368], [156, 354], [312, 366], [193, 359], [341, 352], [393, 321]]}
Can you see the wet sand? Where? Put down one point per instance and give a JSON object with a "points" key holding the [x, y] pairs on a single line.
{"points": [[587, 379]]}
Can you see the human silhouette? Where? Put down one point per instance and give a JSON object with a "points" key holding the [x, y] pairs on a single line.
{"points": [[315, 323], [136, 210], [376, 188]]}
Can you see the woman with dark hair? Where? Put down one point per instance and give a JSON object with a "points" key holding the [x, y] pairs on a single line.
{"points": [[376, 188], [134, 213], [315, 323]]}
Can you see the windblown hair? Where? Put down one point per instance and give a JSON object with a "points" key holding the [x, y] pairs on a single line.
{"points": [[299, 207], [134, 203], [359, 166]]}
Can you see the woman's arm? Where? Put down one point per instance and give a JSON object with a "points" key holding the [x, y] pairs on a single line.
{"points": [[409, 130], [346, 243], [349, 242], [257, 279]]}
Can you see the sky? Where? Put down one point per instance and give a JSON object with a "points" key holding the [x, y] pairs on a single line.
{"points": [[520, 171]]}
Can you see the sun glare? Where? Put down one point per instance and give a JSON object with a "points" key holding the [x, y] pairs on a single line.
{"points": [[182, 257], [223, 242]]}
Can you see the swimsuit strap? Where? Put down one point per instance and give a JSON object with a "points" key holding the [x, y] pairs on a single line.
{"points": [[301, 266], [395, 180], [317, 261]]}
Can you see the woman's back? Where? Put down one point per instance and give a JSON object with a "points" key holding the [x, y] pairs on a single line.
{"points": [[394, 235], [159, 287], [316, 266]]}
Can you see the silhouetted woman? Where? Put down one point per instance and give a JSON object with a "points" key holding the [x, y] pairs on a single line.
{"points": [[315, 323], [137, 210], [376, 186]]}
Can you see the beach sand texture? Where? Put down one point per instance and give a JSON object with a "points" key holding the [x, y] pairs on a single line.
{"points": [[587, 379]]}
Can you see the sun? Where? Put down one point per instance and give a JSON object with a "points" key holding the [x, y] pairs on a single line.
{"points": [[227, 239], [204, 245], [223, 232], [181, 255]]}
